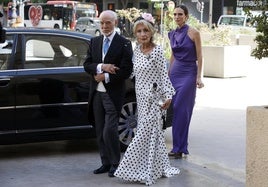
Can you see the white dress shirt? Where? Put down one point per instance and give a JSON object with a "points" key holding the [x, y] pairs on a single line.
{"points": [[100, 86]]}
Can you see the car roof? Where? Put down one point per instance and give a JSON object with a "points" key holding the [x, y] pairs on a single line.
{"points": [[91, 18], [20, 30]]}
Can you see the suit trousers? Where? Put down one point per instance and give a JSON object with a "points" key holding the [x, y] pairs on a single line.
{"points": [[106, 124]]}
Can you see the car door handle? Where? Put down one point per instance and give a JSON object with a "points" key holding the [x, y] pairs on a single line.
{"points": [[4, 82]]}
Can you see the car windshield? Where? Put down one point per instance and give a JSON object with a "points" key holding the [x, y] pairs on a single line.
{"points": [[235, 21], [97, 21]]}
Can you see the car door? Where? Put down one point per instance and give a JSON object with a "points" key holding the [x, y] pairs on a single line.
{"points": [[7, 87], [52, 87]]}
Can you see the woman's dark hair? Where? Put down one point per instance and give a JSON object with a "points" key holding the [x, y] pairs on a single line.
{"points": [[184, 8]]}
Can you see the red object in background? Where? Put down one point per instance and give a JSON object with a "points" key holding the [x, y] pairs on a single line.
{"points": [[35, 14]]}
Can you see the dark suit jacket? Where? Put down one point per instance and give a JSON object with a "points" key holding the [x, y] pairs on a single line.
{"points": [[119, 53]]}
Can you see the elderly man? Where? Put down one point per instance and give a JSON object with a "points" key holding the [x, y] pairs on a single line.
{"points": [[109, 62]]}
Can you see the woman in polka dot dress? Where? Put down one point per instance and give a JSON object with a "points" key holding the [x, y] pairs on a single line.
{"points": [[146, 158]]}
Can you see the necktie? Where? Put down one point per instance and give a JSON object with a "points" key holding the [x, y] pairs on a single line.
{"points": [[106, 45]]}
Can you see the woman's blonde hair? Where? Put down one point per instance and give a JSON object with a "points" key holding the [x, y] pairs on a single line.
{"points": [[147, 24]]}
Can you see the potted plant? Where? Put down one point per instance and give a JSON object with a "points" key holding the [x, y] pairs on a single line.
{"points": [[223, 56], [220, 47]]}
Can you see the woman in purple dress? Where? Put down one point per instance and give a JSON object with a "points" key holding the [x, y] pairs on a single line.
{"points": [[185, 74]]}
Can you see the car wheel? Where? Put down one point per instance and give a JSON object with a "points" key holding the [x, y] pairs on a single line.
{"points": [[56, 26], [97, 33], [127, 123]]}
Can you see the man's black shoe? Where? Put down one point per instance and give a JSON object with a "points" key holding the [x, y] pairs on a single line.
{"points": [[112, 170], [102, 169]]}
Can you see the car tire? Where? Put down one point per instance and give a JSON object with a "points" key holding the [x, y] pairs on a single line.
{"points": [[56, 26], [127, 126]]}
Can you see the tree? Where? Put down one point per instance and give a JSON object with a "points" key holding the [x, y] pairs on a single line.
{"points": [[131, 14], [261, 23], [5, 2]]}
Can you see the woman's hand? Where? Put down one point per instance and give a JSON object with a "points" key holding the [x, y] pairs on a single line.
{"points": [[109, 68], [199, 83], [166, 104]]}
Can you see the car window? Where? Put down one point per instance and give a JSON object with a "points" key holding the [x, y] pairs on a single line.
{"points": [[83, 22], [54, 51], [80, 22], [97, 22], [235, 21], [5, 52]]}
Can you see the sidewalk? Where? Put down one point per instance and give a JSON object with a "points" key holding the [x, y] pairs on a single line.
{"points": [[217, 137], [217, 143]]}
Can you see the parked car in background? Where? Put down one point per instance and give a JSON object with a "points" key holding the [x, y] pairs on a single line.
{"points": [[90, 25], [44, 88], [233, 20], [236, 22]]}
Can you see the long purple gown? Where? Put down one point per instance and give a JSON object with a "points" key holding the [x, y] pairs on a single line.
{"points": [[183, 75]]}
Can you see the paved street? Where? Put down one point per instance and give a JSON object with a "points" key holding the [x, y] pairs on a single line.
{"points": [[71, 164], [216, 144], [218, 129]]}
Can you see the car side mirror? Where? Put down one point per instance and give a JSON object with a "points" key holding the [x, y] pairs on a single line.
{"points": [[2, 35]]}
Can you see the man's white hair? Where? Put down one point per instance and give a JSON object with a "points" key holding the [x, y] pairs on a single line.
{"points": [[110, 13]]}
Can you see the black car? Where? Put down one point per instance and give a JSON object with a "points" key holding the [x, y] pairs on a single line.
{"points": [[44, 88]]}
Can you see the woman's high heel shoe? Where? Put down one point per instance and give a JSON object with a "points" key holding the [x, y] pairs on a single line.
{"points": [[171, 153], [178, 155], [175, 155]]}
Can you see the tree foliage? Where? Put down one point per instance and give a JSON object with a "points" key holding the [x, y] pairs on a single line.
{"points": [[131, 14], [5, 2], [261, 23]]}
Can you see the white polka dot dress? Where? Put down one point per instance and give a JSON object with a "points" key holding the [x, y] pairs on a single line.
{"points": [[146, 158]]}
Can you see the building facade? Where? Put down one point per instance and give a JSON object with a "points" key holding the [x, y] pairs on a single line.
{"points": [[219, 7]]}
